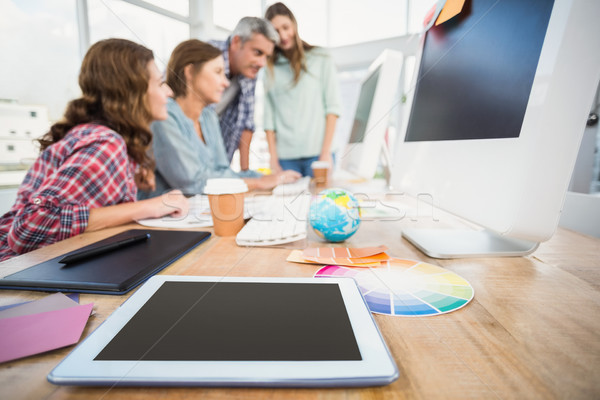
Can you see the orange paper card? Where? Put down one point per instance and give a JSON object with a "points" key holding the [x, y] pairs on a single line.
{"points": [[296, 256], [343, 252], [377, 258]]}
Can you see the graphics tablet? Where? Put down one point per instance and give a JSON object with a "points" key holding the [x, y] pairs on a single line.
{"points": [[215, 331], [114, 272]]}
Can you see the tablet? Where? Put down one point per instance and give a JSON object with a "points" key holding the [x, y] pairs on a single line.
{"points": [[114, 272], [227, 331]]}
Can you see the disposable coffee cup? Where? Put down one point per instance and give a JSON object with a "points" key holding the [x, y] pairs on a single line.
{"points": [[226, 199], [320, 172]]}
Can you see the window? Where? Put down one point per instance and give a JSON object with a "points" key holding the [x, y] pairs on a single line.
{"points": [[312, 20], [118, 19], [40, 53], [39, 41], [333, 23], [352, 21], [227, 13], [181, 7], [418, 10]]}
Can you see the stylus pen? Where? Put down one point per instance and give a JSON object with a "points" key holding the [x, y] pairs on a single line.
{"points": [[107, 248]]}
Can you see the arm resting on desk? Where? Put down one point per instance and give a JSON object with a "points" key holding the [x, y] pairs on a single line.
{"points": [[172, 203], [96, 173]]}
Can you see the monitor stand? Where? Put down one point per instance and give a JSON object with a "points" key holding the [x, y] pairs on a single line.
{"points": [[455, 243]]}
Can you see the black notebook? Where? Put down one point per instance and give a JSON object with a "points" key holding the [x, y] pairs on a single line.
{"points": [[115, 272]]}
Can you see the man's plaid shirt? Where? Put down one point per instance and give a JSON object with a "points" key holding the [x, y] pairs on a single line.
{"points": [[239, 114]]}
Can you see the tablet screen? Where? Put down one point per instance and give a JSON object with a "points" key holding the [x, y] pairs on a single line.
{"points": [[238, 321]]}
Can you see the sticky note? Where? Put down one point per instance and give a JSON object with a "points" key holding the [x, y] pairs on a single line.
{"points": [[451, 9], [433, 14]]}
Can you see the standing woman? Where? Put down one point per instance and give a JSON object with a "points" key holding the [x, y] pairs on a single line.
{"points": [[302, 100], [86, 174]]}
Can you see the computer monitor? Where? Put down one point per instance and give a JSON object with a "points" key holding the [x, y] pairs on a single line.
{"points": [[376, 103], [499, 107]]}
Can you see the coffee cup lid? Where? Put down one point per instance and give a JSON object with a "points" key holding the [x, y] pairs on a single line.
{"points": [[225, 186], [320, 164]]}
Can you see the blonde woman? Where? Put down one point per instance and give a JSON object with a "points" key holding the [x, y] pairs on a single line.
{"points": [[302, 100], [188, 145]]}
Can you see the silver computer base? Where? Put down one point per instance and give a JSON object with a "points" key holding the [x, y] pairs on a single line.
{"points": [[454, 243]]}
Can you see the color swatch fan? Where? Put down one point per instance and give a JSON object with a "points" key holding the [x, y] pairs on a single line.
{"points": [[407, 288]]}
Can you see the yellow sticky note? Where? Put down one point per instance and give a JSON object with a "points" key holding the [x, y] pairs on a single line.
{"points": [[451, 9]]}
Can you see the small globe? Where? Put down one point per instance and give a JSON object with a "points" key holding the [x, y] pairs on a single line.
{"points": [[334, 215]]}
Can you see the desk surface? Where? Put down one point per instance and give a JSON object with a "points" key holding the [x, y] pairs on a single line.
{"points": [[532, 330]]}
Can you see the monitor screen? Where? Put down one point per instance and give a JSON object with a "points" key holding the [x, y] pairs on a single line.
{"points": [[363, 108], [474, 83], [499, 106], [376, 103]]}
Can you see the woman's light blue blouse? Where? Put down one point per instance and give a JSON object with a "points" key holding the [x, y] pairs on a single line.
{"points": [[183, 160]]}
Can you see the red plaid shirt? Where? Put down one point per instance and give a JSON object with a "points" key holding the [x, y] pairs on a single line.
{"points": [[88, 168]]}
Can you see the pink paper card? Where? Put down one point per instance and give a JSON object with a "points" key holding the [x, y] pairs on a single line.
{"points": [[433, 14], [429, 15], [26, 335], [56, 301]]}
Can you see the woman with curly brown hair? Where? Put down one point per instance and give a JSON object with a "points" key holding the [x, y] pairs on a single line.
{"points": [[91, 162]]}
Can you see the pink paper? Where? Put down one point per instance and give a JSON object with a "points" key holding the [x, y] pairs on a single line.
{"points": [[56, 301], [37, 333]]}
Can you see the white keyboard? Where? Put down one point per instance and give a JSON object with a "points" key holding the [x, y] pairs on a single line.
{"points": [[292, 189], [282, 220]]}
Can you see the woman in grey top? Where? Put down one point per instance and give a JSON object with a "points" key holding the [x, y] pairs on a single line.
{"points": [[188, 147]]}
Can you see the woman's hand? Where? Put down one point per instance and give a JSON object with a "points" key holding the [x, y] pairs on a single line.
{"points": [[275, 166], [327, 158], [172, 203], [270, 181], [288, 176]]}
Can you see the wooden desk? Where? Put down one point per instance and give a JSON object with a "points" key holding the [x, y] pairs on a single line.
{"points": [[532, 331]]}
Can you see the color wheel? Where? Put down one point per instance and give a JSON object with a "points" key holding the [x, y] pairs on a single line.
{"points": [[406, 288]]}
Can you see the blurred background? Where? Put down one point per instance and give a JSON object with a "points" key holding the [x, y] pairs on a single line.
{"points": [[43, 42]]}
